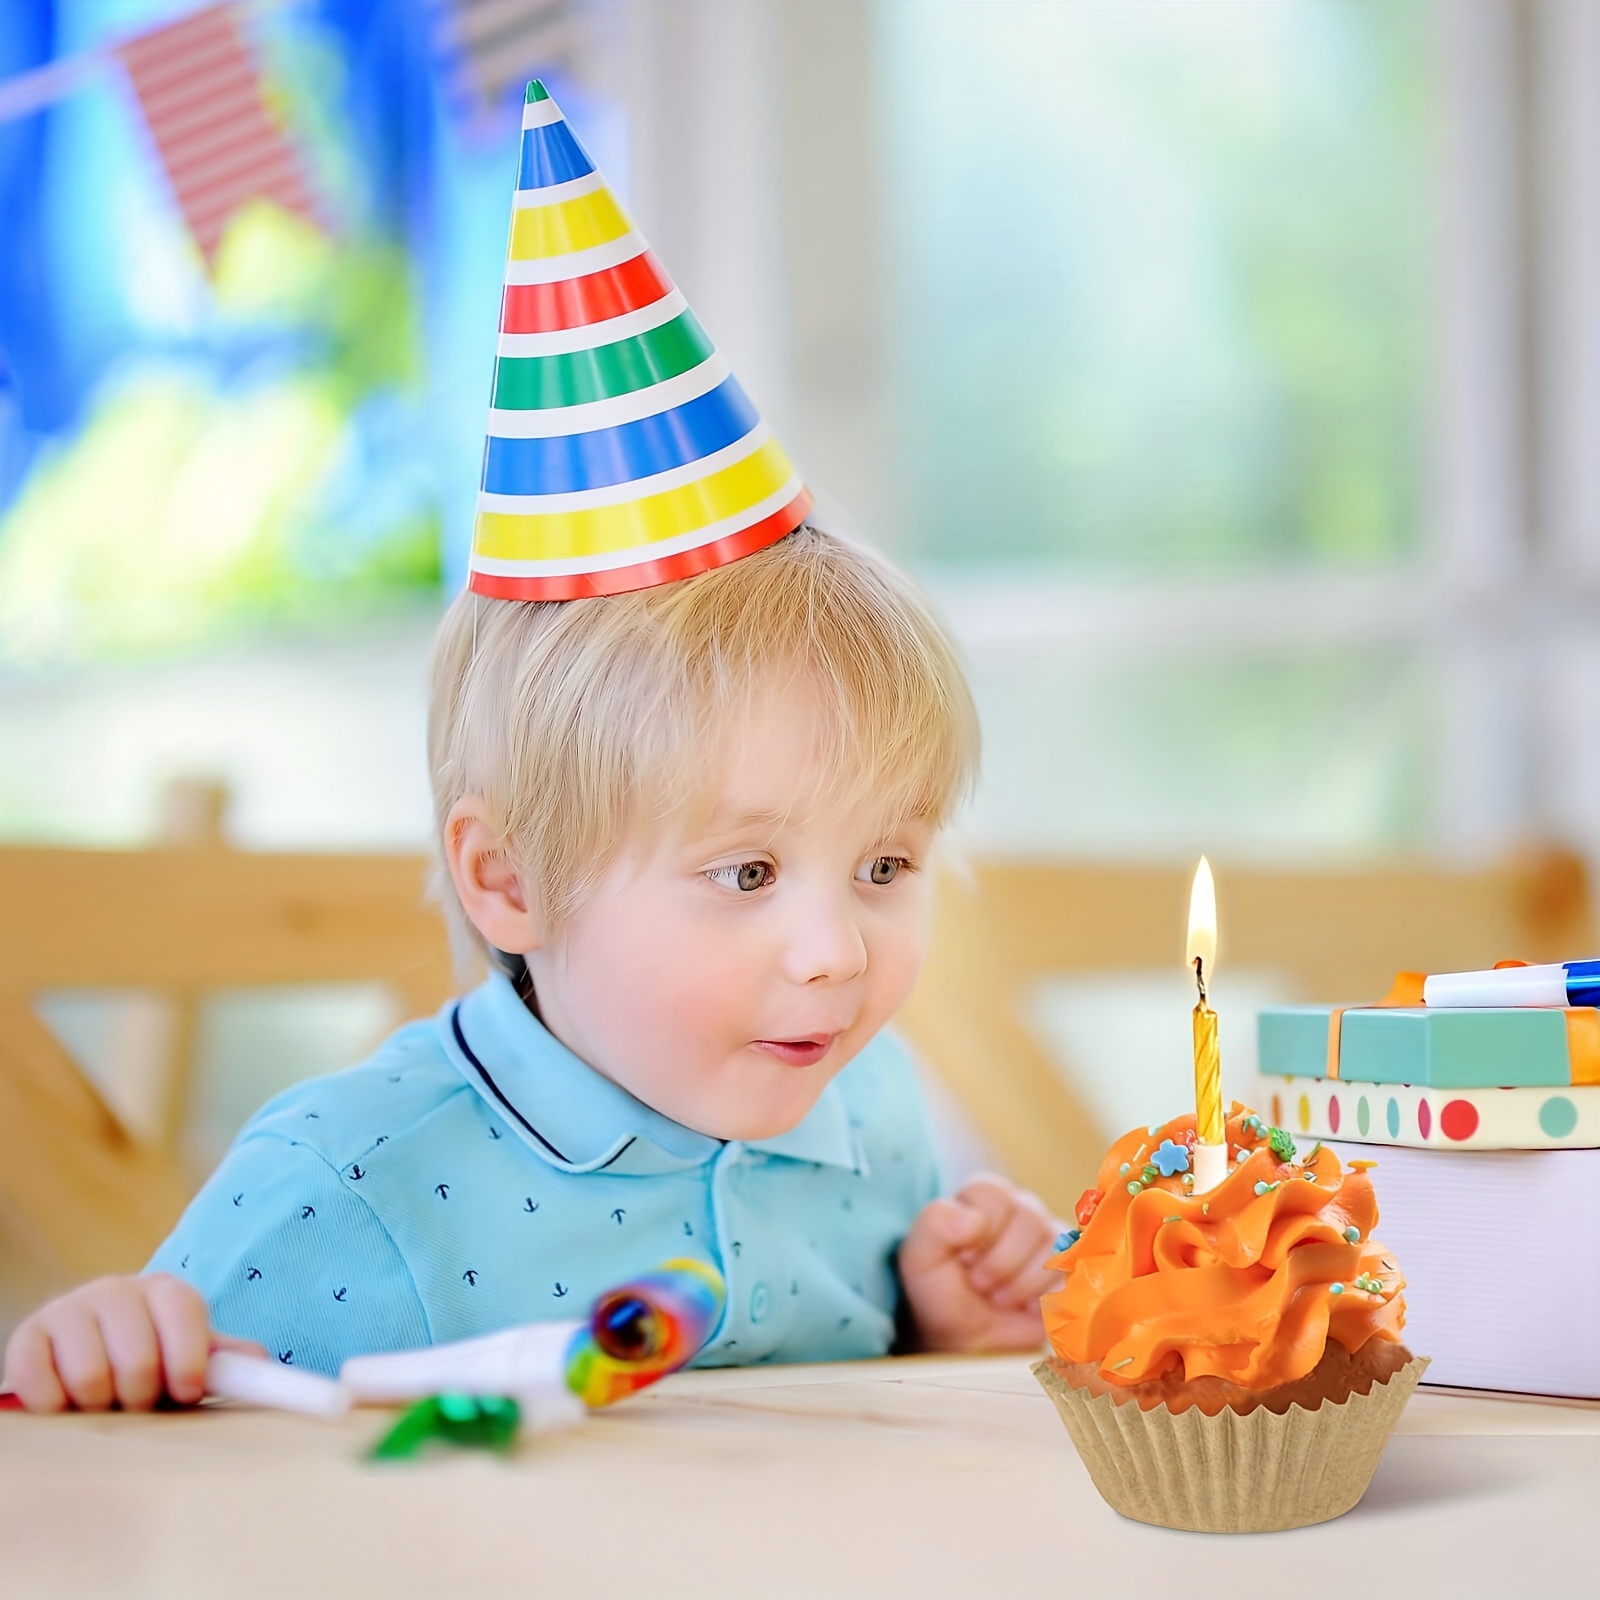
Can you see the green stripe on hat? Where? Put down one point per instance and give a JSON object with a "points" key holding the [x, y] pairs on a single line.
{"points": [[535, 383], [536, 91]]}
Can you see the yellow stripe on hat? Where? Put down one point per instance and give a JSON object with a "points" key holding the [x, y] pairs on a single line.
{"points": [[538, 232], [504, 536]]}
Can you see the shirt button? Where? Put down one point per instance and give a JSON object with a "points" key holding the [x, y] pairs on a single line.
{"points": [[758, 1302]]}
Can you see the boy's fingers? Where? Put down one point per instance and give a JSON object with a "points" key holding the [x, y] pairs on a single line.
{"points": [[943, 1229], [1019, 1246], [31, 1370], [132, 1353], [1026, 1288], [992, 1200], [79, 1354], [183, 1332]]}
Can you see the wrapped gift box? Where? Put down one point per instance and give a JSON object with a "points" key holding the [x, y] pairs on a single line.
{"points": [[1545, 1118], [1499, 1252], [1411, 1045]]}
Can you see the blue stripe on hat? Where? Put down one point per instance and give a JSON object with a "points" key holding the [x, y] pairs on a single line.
{"points": [[551, 154], [609, 456]]}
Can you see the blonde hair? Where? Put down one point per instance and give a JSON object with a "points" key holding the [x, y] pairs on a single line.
{"points": [[578, 721]]}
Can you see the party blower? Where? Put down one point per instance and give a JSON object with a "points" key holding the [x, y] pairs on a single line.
{"points": [[538, 1377]]}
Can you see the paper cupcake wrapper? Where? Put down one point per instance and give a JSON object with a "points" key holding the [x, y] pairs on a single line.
{"points": [[1229, 1473]]}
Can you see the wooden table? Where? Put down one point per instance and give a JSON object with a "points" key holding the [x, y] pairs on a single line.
{"points": [[922, 1477]]}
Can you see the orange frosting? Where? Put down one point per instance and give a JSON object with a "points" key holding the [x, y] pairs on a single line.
{"points": [[1231, 1283]]}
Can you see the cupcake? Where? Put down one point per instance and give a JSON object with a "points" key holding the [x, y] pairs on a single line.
{"points": [[1228, 1362]]}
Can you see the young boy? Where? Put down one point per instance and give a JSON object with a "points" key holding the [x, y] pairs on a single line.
{"points": [[690, 754]]}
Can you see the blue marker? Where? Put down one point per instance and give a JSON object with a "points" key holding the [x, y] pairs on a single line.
{"points": [[1561, 983]]}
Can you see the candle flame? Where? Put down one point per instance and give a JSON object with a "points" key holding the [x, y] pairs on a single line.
{"points": [[1203, 920]]}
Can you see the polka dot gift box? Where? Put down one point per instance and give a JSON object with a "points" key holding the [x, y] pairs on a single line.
{"points": [[621, 451], [1426, 1117], [1489, 1078]]}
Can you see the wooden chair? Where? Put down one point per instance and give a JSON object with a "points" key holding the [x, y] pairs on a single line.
{"points": [[79, 1193], [1001, 927]]}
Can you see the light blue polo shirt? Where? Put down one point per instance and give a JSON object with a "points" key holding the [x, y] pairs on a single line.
{"points": [[473, 1173]]}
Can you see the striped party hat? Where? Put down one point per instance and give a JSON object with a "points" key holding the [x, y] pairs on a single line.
{"points": [[622, 452]]}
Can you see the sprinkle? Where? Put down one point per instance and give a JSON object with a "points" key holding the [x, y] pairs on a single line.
{"points": [[1352, 1236], [1149, 1175], [1316, 1150], [1172, 1219], [1122, 1171], [1205, 1208], [1265, 1188], [1065, 1241], [1171, 1158], [1126, 1361], [1362, 1166], [1310, 1177], [1335, 1288], [1244, 1155], [1135, 1187], [1154, 1128]]}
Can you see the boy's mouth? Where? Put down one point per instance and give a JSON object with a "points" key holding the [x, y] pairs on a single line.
{"points": [[806, 1051]]}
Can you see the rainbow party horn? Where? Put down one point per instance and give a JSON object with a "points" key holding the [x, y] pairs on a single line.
{"points": [[635, 1334]]}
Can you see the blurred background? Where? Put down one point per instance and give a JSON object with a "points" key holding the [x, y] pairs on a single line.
{"points": [[1229, 370]]}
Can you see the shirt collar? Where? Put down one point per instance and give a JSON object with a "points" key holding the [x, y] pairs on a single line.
{"points": [[576, 1120]]}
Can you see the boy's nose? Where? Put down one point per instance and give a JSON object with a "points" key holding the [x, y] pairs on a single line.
{"points": [[826, 946]]}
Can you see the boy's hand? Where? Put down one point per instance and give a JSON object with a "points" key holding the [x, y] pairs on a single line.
{"points": [[122, 1341], [973, 1268]]}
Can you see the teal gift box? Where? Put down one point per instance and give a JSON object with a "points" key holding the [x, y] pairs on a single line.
{"points": [[1465, 1049]]}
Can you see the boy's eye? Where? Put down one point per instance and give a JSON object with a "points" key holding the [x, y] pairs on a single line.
{"points": [[883, 869], [745, 877]]}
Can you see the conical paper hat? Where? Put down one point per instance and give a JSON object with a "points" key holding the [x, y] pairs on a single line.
{"points": [[622, 452]]}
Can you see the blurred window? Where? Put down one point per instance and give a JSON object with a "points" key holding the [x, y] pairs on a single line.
{"points": [[1163, 278]]}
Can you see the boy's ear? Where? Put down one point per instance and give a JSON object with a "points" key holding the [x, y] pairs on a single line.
{"points": [[488, 881]]}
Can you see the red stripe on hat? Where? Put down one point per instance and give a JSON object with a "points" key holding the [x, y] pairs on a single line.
{"points": [[647, 574], [576, 302]]}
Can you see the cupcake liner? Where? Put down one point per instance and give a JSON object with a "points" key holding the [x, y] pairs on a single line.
{"points": [[1229, 1473]]}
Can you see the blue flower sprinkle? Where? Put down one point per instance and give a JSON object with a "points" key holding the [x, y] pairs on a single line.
{"points": [[1352, 1235], [1171, 1158]]}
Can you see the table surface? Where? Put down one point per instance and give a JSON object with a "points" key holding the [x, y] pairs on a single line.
{"points": [[926, 1476]]}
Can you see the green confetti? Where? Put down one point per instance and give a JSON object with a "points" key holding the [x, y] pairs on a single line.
{"points": [[487, 1422]]}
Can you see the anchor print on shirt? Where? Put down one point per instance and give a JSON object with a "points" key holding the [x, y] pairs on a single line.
{"points": [[286, 1357], [442, 1190], [561, 1291], [339, 1294], [471, 1277], [252, 1274], [307, 1213], [494, 1133], [530, 1205], [237, 1198], [618, 1215], [356, 1171]]}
